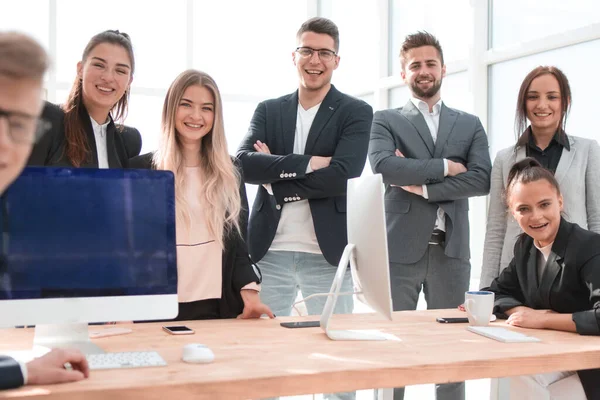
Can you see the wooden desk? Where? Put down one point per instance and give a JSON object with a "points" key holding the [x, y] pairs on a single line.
{"points": [[258, 358]]}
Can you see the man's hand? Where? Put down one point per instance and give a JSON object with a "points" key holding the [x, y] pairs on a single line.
{"points": [[253, 307], [455, 168], [415, 189], [261, 147], [51, 367], [318, 162]]}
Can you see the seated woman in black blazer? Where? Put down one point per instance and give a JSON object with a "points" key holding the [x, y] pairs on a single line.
{"points": [[216, 278], [83, 132], [553, 281]]}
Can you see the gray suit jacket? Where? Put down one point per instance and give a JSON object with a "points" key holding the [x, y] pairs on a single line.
{"points": [[411, 218], [577, 173]]}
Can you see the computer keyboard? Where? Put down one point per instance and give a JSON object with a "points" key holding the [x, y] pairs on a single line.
{"points": [[133, 359], [502, 334]]}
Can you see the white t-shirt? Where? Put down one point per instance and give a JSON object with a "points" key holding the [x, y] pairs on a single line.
{"points": [[296, 230]]}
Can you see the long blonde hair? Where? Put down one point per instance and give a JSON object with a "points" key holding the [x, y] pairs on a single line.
{"points": [[220, 190]]}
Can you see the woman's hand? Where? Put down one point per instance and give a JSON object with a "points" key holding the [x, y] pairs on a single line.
{"points": [[526, 317], [253, 307]]}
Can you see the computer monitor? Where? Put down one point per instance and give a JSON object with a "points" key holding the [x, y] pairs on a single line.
{"points": [[87, 245], [367, 253]]}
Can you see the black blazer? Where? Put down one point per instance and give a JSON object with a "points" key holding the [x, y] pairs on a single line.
{"points": [[340, 130], [50, 149], [10, 373], [570, 284], [238, 270]]}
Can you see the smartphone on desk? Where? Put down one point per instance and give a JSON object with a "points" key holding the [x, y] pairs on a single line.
{"points": [[301, 324], [178, 330], [460, 320]]}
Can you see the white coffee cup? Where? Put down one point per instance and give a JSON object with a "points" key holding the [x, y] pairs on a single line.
{"points": [[479, 305]]}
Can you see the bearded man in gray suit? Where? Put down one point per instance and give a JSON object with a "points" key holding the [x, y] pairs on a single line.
{"points": [[432, 159]]}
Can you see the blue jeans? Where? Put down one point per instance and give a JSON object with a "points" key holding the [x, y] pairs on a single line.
{"points": [[286, 272]]}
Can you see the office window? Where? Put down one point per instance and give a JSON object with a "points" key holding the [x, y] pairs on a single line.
{"points": [[27, 16], [247, 46], [398, 96], [358, 23], [237, 116], [145, 113], [369, 98], [506, 78], [515, 21], [450, 21], [157, 30]]}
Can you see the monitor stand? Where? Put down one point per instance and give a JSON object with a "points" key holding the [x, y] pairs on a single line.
{"points": [[347, 256], [72, 336]]}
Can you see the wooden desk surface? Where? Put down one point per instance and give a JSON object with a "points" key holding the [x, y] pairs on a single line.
{"points": [[258, 358]]}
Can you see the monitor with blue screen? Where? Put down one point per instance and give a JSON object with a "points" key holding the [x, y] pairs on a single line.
{"points": [[88, 245]]}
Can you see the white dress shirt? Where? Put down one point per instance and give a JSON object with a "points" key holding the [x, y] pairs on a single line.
{"points": [[433, 123], [100, 136], [296, 230], [24, 372]]}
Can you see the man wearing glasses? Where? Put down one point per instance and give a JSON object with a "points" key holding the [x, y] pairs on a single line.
{"points": [[23, 63], [302, 148]]}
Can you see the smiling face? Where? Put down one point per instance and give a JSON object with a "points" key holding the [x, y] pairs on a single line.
{"points": [[536, 206], [195, 114], [314, 73], [543, 103], [106, 75], [423, 72]]}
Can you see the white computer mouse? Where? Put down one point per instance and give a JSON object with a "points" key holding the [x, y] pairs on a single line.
{"points": [[197, 353]]}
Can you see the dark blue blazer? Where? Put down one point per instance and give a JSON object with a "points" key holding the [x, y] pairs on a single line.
{"points": [[10, 373], [340, 130]]}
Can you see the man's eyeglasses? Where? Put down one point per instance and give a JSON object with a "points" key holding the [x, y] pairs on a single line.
{"points": [[24, 128], [324, 54]]}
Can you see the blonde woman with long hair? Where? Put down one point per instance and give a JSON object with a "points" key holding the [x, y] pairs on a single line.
{"points": [[216, 278]]}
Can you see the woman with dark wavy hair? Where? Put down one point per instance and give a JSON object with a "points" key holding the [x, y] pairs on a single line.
{"points": [[84, 133]]}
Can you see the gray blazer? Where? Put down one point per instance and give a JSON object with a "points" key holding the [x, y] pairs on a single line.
{"points": [[577, 173], [411, 218]]}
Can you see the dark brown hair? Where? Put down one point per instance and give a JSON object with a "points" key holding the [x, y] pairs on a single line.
{"points": [[419, 39], [521, 130], [321, 25], [526, 171], [77, 148], [21, 57]]}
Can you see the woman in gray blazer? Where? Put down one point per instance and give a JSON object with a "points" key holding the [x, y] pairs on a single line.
{"points": [[544, 99]]}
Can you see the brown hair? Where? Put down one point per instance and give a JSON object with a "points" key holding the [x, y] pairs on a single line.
{"points": [[521, 130], [321, 25], [77, 148], [526, 171], [419, 39], [21, 57]]}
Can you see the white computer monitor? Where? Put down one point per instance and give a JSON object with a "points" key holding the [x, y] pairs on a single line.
{"points": [[87, 245], [367, 253]]}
